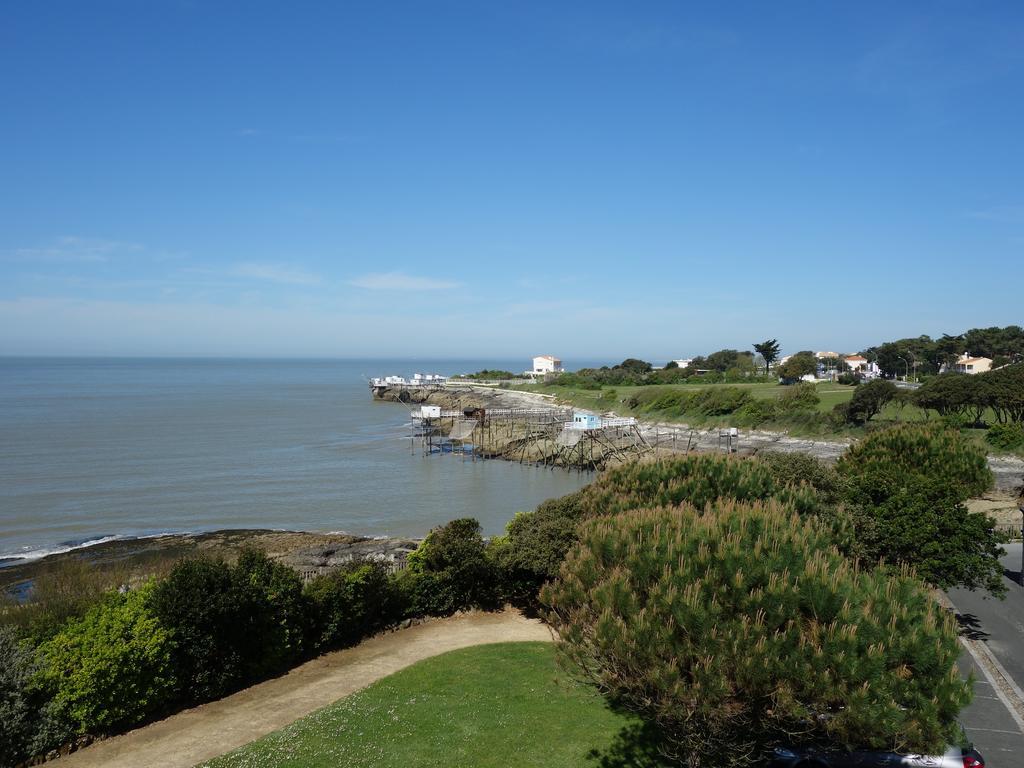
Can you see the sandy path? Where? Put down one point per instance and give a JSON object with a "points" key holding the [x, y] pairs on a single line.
{"points": [[195, 735]]}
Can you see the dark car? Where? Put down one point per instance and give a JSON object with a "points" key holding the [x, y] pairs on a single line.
{"points": [[955, 757]]}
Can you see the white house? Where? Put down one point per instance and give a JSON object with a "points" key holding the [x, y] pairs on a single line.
{"points": [[972, 365], [684, 363], [859, 364], [546, 364]]}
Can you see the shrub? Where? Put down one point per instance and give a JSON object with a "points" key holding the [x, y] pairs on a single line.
{"points": [[1005, 436], [695, 479], [755, 412], [352, 602], [533, 547], [743, 627], [721, 401], [276, 620], [849, 379], [21, 704], [796, 469], [450, 570], [905, 491], [200, 606], [885, 461], [799, 397], [112, 667]]}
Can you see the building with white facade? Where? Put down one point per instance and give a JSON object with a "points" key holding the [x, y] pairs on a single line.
{"points": [[972, 365], [860, 365], [543, 364]]}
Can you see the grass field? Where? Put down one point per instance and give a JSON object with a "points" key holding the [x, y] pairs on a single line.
{"points": [[507, 704], [611, 398]]}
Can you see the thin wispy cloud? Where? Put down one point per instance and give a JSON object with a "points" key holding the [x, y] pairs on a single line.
{"points": [[1012, 214], [400, 281], [275, 273], [75, 249]]}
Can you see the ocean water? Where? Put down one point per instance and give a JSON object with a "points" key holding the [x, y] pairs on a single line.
{"points": [[99, 448]]}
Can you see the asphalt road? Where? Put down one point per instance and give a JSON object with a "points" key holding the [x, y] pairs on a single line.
{"points": [[999, 624]]}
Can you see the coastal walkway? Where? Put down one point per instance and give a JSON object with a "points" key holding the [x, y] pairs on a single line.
{"points": [[204, 732]]}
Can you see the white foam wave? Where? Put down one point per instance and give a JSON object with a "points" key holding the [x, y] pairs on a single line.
{"points": [[37, 553]]}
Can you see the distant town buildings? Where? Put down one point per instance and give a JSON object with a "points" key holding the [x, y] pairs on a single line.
{"points": [[684, 363], [417, 380]]}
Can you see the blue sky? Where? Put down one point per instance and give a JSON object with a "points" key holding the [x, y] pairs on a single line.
{"points": [[592, 180]]}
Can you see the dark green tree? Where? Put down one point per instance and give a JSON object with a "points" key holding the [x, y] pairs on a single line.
{"points": [[742, 627], [351, 602], [1002, 390], [534, 545], [905, 492], [867, 402], [200, 606], [953, 394], [634, 365], [451, 570], [801, 364], [769, 351], [277, 618]]}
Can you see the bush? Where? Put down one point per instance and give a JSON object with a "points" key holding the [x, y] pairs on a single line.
{"points": [[796, 469], [199, 605], [743, 627], [721, 401], [799, 397], [230, 626], [451, 570], [755, 412], [695, 479], [533, 547], [905, 492], [21, 704], [111, 668], [849, 379], [352, 602], [276, 623], [1005, 436], [883, 462]]}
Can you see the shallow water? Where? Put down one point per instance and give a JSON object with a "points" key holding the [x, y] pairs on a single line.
{"points": [[92, 448]]}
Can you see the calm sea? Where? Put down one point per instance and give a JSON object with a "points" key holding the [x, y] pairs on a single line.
{"points": [[96, 448]]}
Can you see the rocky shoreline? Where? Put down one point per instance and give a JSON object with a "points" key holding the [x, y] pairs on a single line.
{"points": [[309, 553], [667, 437]]}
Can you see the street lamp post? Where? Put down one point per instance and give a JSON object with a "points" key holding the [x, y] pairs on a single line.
{"points": [[914, 359], [906, 368]]}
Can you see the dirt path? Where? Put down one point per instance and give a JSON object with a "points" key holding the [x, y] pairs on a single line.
{"points": [[202, 733]]}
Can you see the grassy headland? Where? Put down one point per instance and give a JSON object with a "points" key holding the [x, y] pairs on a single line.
{"points": [[493, 705]]}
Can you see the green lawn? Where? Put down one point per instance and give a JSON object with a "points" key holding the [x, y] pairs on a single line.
{"points": [[507, 704], [830, 394]]}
